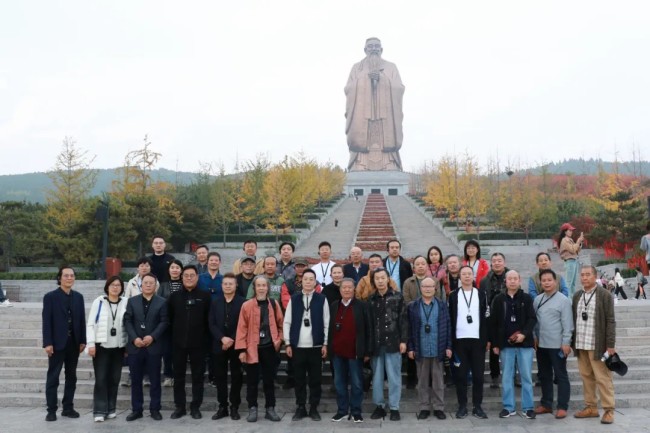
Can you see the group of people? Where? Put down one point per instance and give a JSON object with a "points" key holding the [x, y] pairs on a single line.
{"points": [[437, 315]]}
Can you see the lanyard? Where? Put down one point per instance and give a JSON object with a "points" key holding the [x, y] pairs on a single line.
{"points": [[110, 305], [326, 269], [545, 300], [344, 310], [308, 306], [470, 299], [424, 310], [391, 269], [417, 281], [584, 297]]}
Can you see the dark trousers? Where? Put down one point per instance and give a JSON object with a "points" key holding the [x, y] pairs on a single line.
{"points": [[549, 364], [307, 361], [168, 370], [197, 366], [68, 357], [107, 365], [141, 364], [220, 368], [619, 289], [267, 365], [411, 371], [495, 367], [471, 353]]}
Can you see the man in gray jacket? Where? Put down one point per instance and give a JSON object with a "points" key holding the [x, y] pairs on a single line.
{"points": [[553, 342]]}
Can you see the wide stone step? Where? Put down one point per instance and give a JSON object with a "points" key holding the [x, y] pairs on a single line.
{"points": [[286, 405]]}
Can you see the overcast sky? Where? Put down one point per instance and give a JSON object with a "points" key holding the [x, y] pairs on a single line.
{"points": [[221, 81]]}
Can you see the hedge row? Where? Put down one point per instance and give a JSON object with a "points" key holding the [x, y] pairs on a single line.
{"points": [[628, 273], [491, 236], [611, 262]]}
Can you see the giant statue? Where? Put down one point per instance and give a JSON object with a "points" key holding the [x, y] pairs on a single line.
{"points": [[373, 112]]}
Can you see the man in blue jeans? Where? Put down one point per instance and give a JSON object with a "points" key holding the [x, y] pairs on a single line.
{"points": [[350, 345], [513, 321], [390, 335], [553, 341]]}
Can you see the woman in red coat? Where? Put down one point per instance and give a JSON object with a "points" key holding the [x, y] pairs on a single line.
{"points": [[472, 258]]}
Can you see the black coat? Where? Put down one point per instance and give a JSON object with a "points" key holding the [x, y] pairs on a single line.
{"points": [[217, 320], [55, 318], [188, 317], [493, 284], [484, 334], [405, 270], [332, 292], [526, 318], [362, 323], [350, 272], [396, 327], [155, 324]]}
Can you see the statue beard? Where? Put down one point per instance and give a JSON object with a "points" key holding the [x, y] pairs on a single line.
{"points": [[374, 61]]}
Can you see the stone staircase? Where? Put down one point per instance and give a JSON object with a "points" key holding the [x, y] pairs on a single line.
{"points": [[23, 366], [376, 226]]}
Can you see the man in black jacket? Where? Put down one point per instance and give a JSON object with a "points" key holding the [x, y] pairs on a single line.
{"points": [[513, 320], [223, 321], [389, 343], [493, 284], [160, 259], [469, 334], [145, 321], [188, 316], [399, 269], [356, 269], [350, 343]]}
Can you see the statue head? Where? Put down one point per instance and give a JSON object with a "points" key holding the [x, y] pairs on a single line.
{"points": [[373, 47]]}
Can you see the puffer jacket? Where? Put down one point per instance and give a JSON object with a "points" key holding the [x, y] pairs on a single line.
{"points": [[99, 318]]}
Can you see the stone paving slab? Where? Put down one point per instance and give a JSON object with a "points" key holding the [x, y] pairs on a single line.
{"points": [[22, 420]]}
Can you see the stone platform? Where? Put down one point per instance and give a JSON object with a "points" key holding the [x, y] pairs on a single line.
{"points": [[378, 182]]}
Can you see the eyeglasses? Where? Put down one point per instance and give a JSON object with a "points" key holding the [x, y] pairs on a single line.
{"points": [[189, 275]]}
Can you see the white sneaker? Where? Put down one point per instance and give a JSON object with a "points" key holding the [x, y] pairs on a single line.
{"points": [[6, 303], [168, 382], [111, 415], [99, 419]]}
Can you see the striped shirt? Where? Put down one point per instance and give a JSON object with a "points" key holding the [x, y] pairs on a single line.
{"points": [[586, 329]]}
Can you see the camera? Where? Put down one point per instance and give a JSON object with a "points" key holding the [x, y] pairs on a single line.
{"points": [[584, 315], [469, 319], [262, 334], [306, 322], [337, 326], [113, 332], [190, 302], [427, 328]]}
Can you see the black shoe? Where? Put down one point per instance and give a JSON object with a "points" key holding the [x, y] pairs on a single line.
{"points": [[222, 412], [133, 416], [155, 415], [313, 414], [461, 412], [234, 413], [494, 384], [301, 413], [51, 416], [411, 384], [338, 417], [357, 418], [478, 413], [439, 414], [70, 413], [179, 412], [196, 414], [424, 414], [394, 415], [505, 413], [290, 383], [530, 414], [379, 412]]}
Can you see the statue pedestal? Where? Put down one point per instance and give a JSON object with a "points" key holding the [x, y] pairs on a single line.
{"points": [[382, 182]]}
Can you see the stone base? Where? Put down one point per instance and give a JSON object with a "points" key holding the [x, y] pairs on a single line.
{"points": [[383, 182]]}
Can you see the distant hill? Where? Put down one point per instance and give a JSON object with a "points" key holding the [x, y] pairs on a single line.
{"points": [[32, 186]]}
